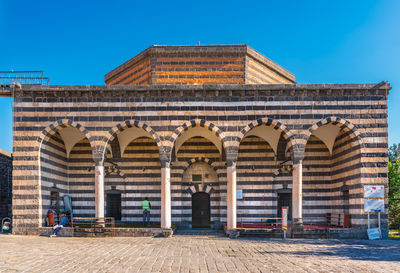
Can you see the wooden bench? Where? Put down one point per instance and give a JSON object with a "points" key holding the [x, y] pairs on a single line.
{"points": [[272, 226]]}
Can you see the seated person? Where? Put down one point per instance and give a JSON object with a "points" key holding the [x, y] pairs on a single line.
{"points": [[63, 222]]}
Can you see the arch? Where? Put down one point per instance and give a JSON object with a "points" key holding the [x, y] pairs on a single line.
{"points": [[57, 126], [45, 136], [342, 167], [343, 125], [274, 124], [212, 128], [121, 127], [200, 159]]}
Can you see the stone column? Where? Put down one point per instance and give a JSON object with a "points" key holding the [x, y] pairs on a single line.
{"points": [[99, 192], [165, 198], [231, 196], [297, 194]]}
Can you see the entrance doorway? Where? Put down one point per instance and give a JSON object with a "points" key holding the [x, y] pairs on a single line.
{"points": [[285, 200], [200, 209], [114, 206]]}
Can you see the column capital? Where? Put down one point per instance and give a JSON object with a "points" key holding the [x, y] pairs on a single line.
{"points": [[297, 154], [231, 156], [98, 162], [165, 158]]}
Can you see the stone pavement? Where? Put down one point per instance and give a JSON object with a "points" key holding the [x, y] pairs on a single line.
{"points": [[195, 254]]}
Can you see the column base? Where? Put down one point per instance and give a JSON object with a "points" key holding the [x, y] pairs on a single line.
{"points": [[232, 233], [100, 222], [297, 227]]}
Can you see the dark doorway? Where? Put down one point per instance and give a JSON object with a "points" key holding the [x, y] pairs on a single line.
{"points": [[285, 200], [201, 210], [114, 205]]}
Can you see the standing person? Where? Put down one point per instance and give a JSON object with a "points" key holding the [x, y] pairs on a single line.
{"points": [[146, 206], [63, 222]]}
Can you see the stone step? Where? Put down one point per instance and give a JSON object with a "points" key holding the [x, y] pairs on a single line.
{"points": [[310, 234], [266, 233], [190, 232], [97, 231]]}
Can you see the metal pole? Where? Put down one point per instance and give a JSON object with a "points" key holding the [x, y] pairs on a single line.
{"points": [[379, 224], [368, 222]]}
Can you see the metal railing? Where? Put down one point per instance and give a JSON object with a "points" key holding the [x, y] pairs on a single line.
{"points": [[23, 77], [274, 222]]}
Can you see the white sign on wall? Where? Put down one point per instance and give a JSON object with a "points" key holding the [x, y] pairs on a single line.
{"points": [[239, 194], [374, 191], [374, 205]]}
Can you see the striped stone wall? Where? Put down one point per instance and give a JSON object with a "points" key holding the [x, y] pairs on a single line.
{"points": [[196, 65], [227, 112], [53, 170], [137, 73], [81, 179], [5, 184], [258, 73], [255, 167]]}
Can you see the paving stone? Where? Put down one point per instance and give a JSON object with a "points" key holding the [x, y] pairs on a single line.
{"points": [[195, 254]]}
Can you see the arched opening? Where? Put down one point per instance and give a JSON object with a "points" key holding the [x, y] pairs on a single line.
{"points": [[132, 173], [201, 210], [65, 162], [255, 167], [263, 173], [332, 175], [198, 165]]}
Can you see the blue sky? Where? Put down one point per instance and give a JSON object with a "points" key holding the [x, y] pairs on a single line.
{"points": [[77, 42]]}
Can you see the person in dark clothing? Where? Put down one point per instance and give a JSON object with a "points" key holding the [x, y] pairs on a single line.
{"points": [[146, 206], [63, 222]]}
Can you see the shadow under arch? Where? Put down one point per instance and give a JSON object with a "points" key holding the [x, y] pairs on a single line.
{"points": [[121, 127], [57, 126], [343, 124], [210, 127], [276, 125]]}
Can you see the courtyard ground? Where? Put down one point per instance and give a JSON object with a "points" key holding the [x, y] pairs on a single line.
{"points": [[195, 254]]}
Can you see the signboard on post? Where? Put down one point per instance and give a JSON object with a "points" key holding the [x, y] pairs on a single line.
{"points": [[373, 233], [374, 191], [284, 220], [374, 205]]}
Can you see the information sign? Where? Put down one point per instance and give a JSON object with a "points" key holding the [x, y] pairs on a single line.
{"points": [[373, 233], [374, 205], [374, 191], [284, 218]]}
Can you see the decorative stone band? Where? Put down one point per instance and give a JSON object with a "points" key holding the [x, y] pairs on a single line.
{"points": [[199, 188]]}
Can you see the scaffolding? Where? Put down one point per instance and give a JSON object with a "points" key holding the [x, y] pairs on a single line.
{"points": [[23, 77]]}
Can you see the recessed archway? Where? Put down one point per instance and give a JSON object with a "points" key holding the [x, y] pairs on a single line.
{"points": [[332, 169], [133, 161], [57, 150]]}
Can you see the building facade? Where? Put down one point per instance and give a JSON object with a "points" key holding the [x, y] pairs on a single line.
{"points": [[5, 184], [174, 125]]}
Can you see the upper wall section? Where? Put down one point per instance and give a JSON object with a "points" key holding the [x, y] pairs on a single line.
{"points": [[208, 64]]}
